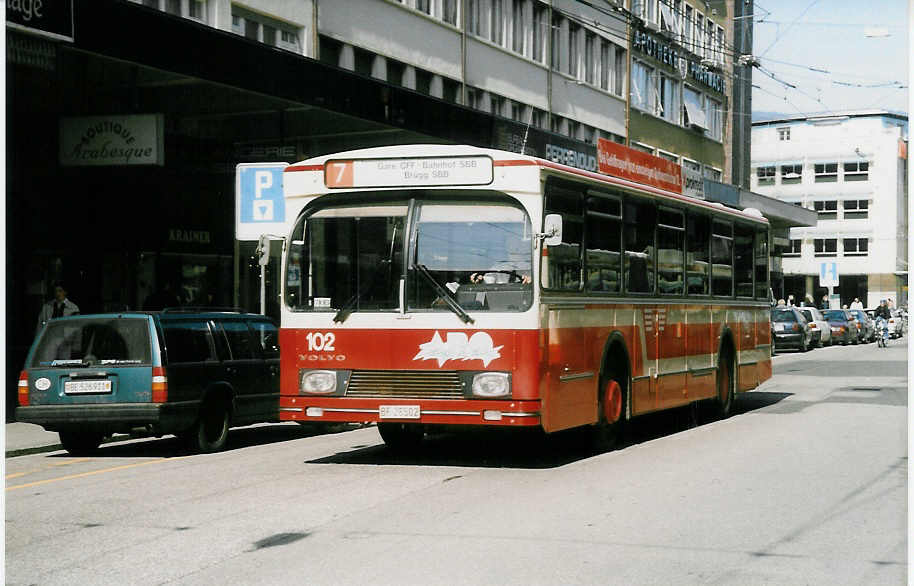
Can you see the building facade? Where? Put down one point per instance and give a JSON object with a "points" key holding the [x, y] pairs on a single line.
{"points": [[851, 169], [126, 118]]}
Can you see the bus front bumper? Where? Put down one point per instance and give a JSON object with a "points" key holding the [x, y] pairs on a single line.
{"points": [[444, 412]]}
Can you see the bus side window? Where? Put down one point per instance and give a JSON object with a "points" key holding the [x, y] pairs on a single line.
{"points": [[564, 260], [722, 258], [604, 245], [640, 224], [761, 264], [743, 262], [697, 256], [670, 249]]}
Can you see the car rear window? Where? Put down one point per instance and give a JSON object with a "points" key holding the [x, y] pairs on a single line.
{"points": [[94, 341], [783, 316]]}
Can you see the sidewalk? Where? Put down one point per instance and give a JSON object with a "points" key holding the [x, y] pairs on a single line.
{"points": [[26, 438]]}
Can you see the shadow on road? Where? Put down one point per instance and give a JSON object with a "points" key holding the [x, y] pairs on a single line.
{"points": [[533, 449], [239, 438]]}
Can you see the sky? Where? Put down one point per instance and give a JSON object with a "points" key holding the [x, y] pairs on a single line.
{"points": [[837, 54]]}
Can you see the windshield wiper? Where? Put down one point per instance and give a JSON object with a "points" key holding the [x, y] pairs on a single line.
{"points": [[444, 294], [344, 312]]}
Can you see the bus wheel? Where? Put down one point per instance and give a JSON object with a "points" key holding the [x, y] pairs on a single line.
{"points": [[725, 384], [606, 433], [401, 436], [80, 443]]}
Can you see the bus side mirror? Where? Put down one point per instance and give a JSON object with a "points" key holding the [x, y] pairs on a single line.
{"points": [[552, 230]]}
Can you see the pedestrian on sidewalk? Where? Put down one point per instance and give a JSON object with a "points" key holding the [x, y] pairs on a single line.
{"points": [[60, 306]]}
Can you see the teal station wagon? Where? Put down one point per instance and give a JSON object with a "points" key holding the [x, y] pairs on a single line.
{"points": [[189, 373]]}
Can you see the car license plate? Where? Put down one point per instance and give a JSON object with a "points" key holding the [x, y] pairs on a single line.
{"points": [[399, 411], [87, 386]]}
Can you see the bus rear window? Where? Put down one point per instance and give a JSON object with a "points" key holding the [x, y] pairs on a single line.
{"points": [[93, 341]]}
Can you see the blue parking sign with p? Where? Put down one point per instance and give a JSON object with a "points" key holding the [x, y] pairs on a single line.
{"points": [[260, 191]]}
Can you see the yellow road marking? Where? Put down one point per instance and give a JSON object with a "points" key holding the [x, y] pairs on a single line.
{"points": [[93, 473], [67, 463]]}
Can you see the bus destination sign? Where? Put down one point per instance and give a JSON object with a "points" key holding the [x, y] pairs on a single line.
{"points": [[411, 172]]}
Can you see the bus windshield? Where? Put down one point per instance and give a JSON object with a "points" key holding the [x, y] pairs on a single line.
{"points": [[352, 258]]}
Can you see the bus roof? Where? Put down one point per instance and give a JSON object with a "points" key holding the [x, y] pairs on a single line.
{"points": [[509, 159]]}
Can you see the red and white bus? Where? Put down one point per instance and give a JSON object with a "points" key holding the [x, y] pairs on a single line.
{"points": [[433, 284]]}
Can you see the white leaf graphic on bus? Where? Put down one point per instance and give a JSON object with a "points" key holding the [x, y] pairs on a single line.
{"points": [[459, 347]]}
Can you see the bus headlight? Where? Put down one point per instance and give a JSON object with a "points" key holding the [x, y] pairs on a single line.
{"points": [[492, 384], [318, 382]]}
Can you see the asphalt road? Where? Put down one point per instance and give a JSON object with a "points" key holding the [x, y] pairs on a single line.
{"points": [[805, 484]]}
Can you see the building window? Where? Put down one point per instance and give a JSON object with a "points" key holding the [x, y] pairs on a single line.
{"points": [[573, 51], [474, 17], [794, 248], [641, 90], [474, 98], [517, 26], [605, 64], [619, 72], [687, 29], [497, 22], [395, 71], [825, 246], [450, 89], [496, 105], [517, 111], [589, 134], [423, 81], [424, 6], [720, 45], [539, 32], [267, 30], [668, 106], [856, 246], [855, 209], [826, 172], [692, 109], [766, 175], [714, 117], [537, 118], [791, 174], [859, 171], [449, 12], [573, 128], [196, 9], [556, 41], [783, 133], [556, 124], [330, 50], [828, 210], [712, 173], [590, 43]]}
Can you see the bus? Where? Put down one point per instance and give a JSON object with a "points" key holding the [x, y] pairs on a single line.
{"points": [[441, 285]]}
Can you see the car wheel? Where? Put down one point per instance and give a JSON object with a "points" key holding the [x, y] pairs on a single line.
{"points": [[80, 443], [210, 432], [402, 437], [608, 429]]}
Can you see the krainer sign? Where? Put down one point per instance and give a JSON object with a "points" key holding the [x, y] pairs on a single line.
{"points": [[116, 140], [621, 161]]}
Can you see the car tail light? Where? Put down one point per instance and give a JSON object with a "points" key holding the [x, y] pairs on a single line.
{"points": [[159, 385], [24, 388], [813, 326]]}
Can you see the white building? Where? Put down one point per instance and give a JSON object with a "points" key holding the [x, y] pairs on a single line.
{"points": [[851, 168]]}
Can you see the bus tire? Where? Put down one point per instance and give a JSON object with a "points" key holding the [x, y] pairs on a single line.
{"points": [[726, 383], [402, 436], [80, 443], [210, 433], [606, 433]]}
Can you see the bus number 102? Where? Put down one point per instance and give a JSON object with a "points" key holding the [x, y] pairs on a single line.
{"points": [[321, 342]]}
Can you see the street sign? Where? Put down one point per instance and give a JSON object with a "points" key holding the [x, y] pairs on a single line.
{"points": [[828, 274], [260, 207]]}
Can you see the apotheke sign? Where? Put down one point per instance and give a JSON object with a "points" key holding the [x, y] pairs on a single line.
{"points": [[670, 55], [98, 141]]}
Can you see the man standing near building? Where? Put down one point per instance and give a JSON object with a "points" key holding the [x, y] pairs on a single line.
{"points": [[60, 306], [856, 304]]}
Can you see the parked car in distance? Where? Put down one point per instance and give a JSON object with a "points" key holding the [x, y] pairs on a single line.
{"points": [[818, 325], [191, 373], [867, 325], [843, 328], [896, 324], [790, 329]]}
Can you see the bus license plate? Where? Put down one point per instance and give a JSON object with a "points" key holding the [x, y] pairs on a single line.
{"points": [[87, 386], [399, 411]]}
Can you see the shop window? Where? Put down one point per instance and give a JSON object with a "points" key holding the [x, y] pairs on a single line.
{"points": [[697, 255], [858, 171], [856, 246], [640, 222], [794, 247], [826, 172], [828, 210], [791, 174], [722, 258], [825, 246], [855, 209]]}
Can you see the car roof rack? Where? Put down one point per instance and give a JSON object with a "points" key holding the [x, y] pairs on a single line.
{"points": [[203, 309]]}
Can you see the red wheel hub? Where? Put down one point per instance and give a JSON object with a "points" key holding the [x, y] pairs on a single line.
{"points": [[612, 402]]}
